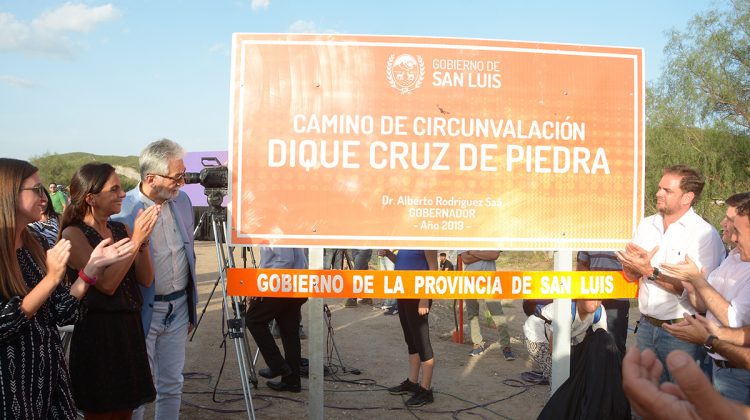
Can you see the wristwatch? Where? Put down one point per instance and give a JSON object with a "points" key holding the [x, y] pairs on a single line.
{"points": [[655, 274], [709, 344]]}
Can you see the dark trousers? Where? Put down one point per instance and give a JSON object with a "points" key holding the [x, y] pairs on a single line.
{"points": [[416, 328], [287, 313], [617, 321]]}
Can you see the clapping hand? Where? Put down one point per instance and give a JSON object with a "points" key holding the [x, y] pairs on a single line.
{"points": [[686, 271], [693, 329], [144, 224], [636, 259], [107, 253], [57, 259], [689, 330]]}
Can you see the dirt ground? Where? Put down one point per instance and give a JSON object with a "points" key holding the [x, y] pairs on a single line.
{"points": [[464, 387]]}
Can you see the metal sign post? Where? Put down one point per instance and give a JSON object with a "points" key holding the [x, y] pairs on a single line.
{"points": [[561, 321], [315, 344]]}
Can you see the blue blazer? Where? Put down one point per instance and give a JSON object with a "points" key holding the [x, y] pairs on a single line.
{"points": [[182, 210]]}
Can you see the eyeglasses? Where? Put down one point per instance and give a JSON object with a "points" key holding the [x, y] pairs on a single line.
{"points": [[39, 188], [179, 178]]}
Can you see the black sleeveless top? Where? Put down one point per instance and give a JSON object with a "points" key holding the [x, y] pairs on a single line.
{"points": [[108, 359], [127, 297]]}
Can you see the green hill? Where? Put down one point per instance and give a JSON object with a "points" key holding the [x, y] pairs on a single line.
{"points": [[59, 168]]}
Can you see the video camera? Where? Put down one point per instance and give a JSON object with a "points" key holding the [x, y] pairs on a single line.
{"points": [[214, 177]]}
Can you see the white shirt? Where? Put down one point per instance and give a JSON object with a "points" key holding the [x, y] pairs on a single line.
{"points": [[534, 328], [732, 281], [690, 235], [171, 269]]}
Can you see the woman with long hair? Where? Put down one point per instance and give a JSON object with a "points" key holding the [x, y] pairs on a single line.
{"points": [[34, 379], [47, 229], [108, 345]]}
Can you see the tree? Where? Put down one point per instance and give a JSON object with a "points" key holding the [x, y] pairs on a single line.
{"points": [[59, 168], [698, 113], [720, 155], [708, 67]]}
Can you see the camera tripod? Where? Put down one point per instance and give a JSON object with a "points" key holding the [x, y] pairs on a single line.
{"points": [[338, 256], [331, 346], [232, 307]]}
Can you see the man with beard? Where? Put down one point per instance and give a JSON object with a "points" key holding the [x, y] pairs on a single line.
{"points": [[667, 237], [169, 305], [724, 294]]}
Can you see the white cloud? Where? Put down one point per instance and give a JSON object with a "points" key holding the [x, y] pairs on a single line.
{"points": [[260, 4], [47, 34], [12, 32], [72, 17], [303, 27], [16, 81], [219, 48]]}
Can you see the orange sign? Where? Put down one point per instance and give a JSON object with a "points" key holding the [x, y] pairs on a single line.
{"points": [[429, 284], [405, 142]]}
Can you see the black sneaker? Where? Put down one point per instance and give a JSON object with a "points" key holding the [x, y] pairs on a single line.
{"points": [[406, 387], [420, 398]]}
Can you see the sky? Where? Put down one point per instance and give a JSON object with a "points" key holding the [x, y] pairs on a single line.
{"points": [[110, 77]]}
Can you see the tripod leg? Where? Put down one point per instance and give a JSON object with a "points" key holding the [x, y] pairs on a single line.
{"points": [[337, 259], [348, 259], [203, 312], [200, 223], [252, 259], [233, 312], [327, 319], [252, 376]]}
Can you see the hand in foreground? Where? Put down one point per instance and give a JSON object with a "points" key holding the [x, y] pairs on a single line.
{"points": [[57, 259], [424, 307], [692, 397], [144, 223], [686, 271], [106, 254]]}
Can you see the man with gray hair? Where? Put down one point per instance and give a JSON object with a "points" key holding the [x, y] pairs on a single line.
{"points": [[169, 305]]}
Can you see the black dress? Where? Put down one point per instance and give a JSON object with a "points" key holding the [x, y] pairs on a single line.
{"points": [[108, 361], [33, 374]]}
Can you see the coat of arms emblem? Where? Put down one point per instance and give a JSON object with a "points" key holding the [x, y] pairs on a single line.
{"points": [[405, 72]]}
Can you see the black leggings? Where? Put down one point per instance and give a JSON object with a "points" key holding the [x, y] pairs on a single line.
{"points": [[416, 328]]}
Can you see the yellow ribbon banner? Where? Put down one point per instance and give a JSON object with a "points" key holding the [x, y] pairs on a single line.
{"points": [[429, 284]]}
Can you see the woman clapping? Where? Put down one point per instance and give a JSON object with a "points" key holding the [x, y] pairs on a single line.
{"points": [[34, 378], [108, 361]]}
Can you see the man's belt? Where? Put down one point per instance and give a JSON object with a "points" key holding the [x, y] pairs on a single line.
{"points": [[724, 364], [170, 297], [658, 322]]}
